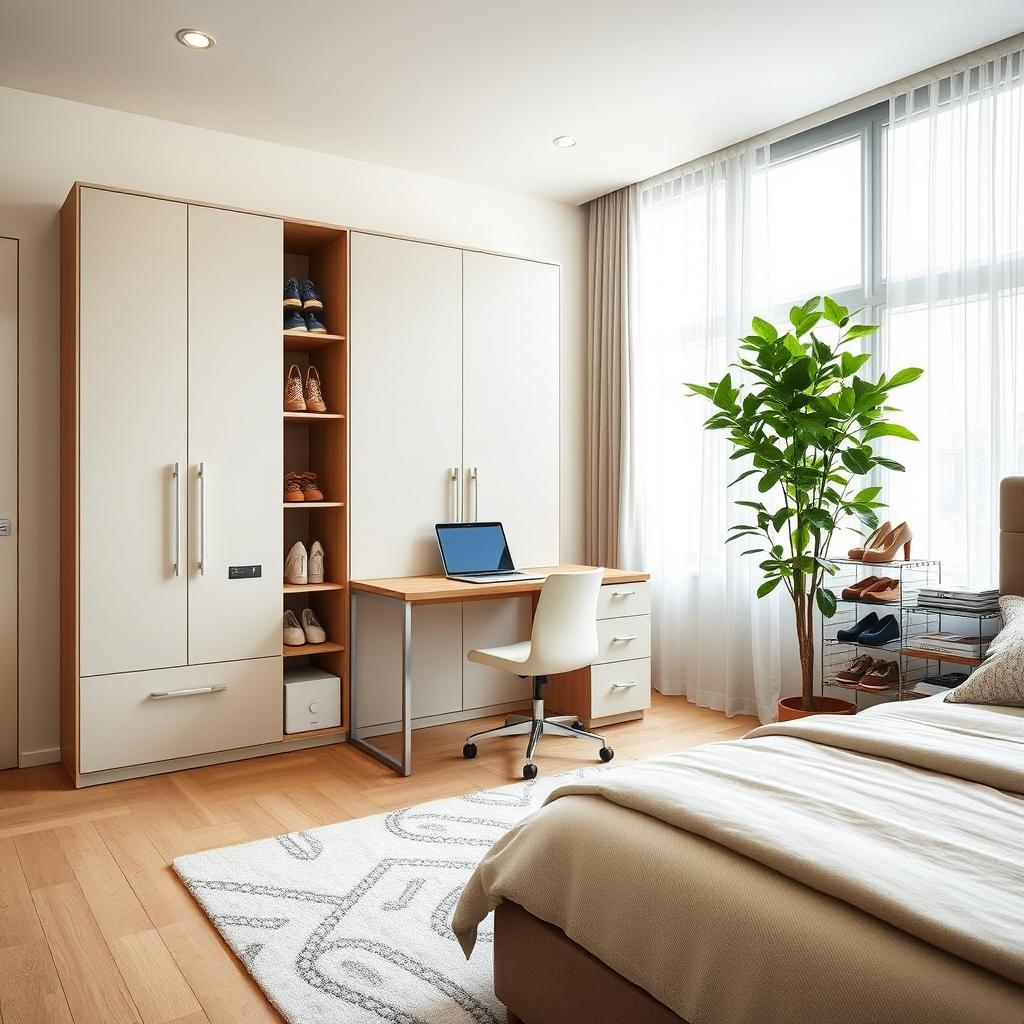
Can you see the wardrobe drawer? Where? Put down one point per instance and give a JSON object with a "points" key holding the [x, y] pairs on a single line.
{"points": [[138, 717], [619, 687], [618, 599], [623, 639]]}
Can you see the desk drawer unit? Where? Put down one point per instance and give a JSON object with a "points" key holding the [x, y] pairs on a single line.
{"points": [[620, 686], [623, 639], [619, 599], [135, 718]]}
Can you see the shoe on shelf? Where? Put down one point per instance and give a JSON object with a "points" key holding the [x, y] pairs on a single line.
{"points": [[312, 324], [310, 297], [293, 320], [887, 548], [310, 488], [291, 294], [296, 565], [886, 591], [857, 554], [314, 398], [852, 635], [886, 630], [316, 563], [853, 593], [292, 633], [855, 671], [884, 676], [293, 487], [294, 400], [312, 629]]}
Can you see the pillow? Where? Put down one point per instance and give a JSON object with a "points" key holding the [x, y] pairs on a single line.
{"points": [[1000, 680]]}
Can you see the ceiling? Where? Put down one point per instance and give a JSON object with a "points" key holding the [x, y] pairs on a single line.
{"points": [[477, 89]]}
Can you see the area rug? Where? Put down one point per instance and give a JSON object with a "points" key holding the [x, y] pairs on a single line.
{"points": [[351, 922]]}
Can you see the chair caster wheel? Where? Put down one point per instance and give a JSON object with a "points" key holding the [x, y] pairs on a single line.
{"points": [[529, 771], [469, 751], [578, 726], [606, 754]]}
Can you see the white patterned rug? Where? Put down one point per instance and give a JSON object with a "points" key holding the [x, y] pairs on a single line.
{"points": [[350, 922]]}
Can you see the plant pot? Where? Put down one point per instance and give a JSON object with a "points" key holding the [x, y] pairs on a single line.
{"points": [[791, 708]]}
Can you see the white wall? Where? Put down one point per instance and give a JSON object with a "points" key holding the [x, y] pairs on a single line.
{"points": [[50, 143]]}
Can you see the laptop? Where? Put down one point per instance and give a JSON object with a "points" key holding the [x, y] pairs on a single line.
{"points": [[477, 553]]}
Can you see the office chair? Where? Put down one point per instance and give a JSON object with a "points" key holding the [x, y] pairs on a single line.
{"points": [[564, 639]]}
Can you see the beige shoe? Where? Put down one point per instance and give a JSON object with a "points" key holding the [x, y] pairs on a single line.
{"points": [[887, 548], [295, 565], [314, 632], [293, 399], [292, 633], [314, 392], [857, 554], [316, 563]]}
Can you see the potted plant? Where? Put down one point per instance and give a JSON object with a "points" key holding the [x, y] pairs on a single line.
{"points": [[805, 422]]}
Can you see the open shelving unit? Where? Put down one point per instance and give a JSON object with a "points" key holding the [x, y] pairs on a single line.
{"points": [[318, 442]]}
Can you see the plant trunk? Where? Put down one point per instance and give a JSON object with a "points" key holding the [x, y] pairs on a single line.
{"points": [[804, 607]]}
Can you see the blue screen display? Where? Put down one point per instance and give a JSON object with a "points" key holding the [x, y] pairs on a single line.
{"points": [[474, 547]]}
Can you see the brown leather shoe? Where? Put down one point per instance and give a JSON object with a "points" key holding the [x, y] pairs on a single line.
{"points": [[293, 487], [854, 592], [293, 400], [885, 591], [855, 671], [310, 488], [884, 676], [314, 392]]}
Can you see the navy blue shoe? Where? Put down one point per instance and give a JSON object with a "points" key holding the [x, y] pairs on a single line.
{"points": [[310, 297], [851, 636], [886, 630], [312, 324], [293, 320], [292, 300]]}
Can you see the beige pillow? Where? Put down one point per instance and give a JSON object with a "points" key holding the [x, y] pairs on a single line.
{"points": [[1001, 679]]}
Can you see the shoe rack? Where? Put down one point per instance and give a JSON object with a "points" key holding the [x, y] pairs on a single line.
{"points": [[318, 442]]}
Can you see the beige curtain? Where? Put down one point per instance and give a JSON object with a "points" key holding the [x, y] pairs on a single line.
{"points": [[612, 536]]}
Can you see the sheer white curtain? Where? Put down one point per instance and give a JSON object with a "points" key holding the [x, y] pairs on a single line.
{"points": [[955, 295], [702, 275]]}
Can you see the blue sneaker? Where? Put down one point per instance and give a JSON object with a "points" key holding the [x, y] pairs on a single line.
{"points": [[310, 297], [852, 636], [312, 324], [292, 299], [886, 630], [293, 320]]}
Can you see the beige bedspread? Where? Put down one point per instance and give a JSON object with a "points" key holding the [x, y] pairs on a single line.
{"points": [[841, 869]]}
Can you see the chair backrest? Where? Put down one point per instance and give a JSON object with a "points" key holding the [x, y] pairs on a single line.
{"points": [[565, 623]]}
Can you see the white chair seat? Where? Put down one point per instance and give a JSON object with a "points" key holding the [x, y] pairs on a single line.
{"points": [[513, 658]]}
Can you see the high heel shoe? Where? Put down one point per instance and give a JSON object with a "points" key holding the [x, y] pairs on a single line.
{"points": [[857, 554], [886, 549]]}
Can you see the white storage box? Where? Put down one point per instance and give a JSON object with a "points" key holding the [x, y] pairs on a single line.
{"points": [[312, 699]]}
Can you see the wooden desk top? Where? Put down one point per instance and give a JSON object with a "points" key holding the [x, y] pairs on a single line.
{"points": [[441, 590]]}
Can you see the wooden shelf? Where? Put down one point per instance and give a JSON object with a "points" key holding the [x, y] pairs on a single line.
{"points": [[303, 650], [309, 417], [311, 588], [313, 504], [305, 341], [953, 659], [294, 737]]}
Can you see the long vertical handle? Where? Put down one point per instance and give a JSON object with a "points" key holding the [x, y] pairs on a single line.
{"points": [[177, 519], [202, 518], [475, 476], [453, 478]]}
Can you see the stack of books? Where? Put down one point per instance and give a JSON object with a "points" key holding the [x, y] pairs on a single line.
{"points": [[952, 643], [964, 600]]}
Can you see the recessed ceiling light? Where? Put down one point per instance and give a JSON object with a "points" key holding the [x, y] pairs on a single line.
{"points": [[565, 141], [195, 39]]}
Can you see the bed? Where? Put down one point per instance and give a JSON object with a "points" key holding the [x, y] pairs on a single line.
{"points": [[862, 869]]}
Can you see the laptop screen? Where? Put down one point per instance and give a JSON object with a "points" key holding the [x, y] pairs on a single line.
{"points": [[473, 547]]}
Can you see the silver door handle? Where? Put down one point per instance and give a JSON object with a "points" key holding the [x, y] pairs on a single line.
{"points": [[453, 483], [474, 479], [624, 639], [195, 691], [201, 473], [623, 593], [622, 686], [177, 519]]}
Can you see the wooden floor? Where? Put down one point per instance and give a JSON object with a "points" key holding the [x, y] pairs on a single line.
{"points": [[95, 927]]}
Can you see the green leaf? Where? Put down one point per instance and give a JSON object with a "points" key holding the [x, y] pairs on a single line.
{"points": [[888, 430], [797, 377], [744, 475], [896, 467], [723, 393], [765, 330], [855, 461], [810, 320], [701, 389], [769, 480], [850, 362], [867, 494], [860, 330], [901, 377], [834, 313], [826, 602], [768, 586], [811, 304], [751, 551]]}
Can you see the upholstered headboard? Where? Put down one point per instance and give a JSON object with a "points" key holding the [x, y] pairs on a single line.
{"points": [[1011, 535]]}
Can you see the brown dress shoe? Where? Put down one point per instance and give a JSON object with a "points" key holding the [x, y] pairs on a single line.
{"points": [[886, 590], [884, 676], [293, 487], [310, 488], [854, 592], [855, 671], [293, 400], [314, 392]]}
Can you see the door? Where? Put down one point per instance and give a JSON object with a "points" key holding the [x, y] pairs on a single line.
{"points": [[406, 402], [133, 340], [511, 399], [235, 435], [9, 503]]}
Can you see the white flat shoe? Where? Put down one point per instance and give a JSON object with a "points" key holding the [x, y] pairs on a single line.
{"points": [[295, 565], [311, 627], [292, 633], [316, 563]]}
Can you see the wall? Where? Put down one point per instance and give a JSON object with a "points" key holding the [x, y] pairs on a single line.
{"points": [[50, 143]]}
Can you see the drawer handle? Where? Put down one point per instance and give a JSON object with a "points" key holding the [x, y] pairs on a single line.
{"points": [[622, 686], [623, 593], [624, 639], [166, 694]]}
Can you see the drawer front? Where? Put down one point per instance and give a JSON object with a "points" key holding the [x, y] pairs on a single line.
{"points": [[619, 599], [138, 717], [619, 687], [623, 639]]}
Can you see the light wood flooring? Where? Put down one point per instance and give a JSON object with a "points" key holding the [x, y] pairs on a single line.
{"points": [[95, 927]]}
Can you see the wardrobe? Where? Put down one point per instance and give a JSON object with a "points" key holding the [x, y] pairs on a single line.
{"points": [[465, 347]]}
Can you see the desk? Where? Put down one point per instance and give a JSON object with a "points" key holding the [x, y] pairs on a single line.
{"points": [[409, 591]]}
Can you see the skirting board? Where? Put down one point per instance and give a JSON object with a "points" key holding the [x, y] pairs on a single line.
{"points": [[452, 716], [34, 758]]}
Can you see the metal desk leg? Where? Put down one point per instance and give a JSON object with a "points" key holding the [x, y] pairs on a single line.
{"points": [[403, 765]]}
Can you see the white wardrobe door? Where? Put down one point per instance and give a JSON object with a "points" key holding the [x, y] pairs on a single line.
{"points": [[406, 402], [9, 503], [511, 395], [133, 294], [235, 434]]}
